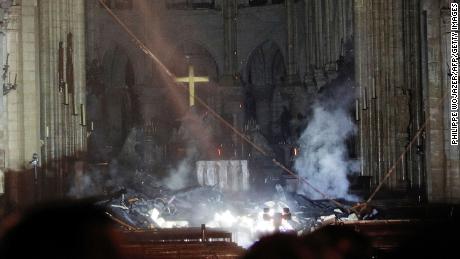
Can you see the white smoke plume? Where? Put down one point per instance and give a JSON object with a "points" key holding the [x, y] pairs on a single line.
{"points": [[196, 132], [323, 159], [86, 182], [180, 176]]}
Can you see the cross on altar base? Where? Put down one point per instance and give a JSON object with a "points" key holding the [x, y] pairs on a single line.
{"points": [[191, 79]]}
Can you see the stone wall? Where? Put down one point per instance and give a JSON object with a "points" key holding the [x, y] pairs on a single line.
{"points": [[20, 114], [382, 92], [442, 159], [33, 118], [62, 131], [402, 75], [2, 108], [310, 36]]}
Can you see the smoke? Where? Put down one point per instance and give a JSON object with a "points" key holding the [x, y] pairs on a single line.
{"points": [[196, 132], [83, 186], [85, 183], [323, 159], [180, 176]]}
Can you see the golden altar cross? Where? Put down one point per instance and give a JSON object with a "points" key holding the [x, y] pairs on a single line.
{"points": [[191, 79]]}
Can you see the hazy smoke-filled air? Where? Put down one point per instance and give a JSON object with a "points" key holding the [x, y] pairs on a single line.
{"points": [[180, 176], [196, 133], [323, 159]]}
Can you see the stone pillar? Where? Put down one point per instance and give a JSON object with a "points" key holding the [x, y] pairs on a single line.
{"points": [[3, 120], [327, 34], [370, 112], [401, 108], [320, 31], [38, 122], [369, 106], [412, 81], [291, 21], [378, 88], [360, 54], [442, 160], [62, 134], [436, 170], [327, 25], [14, 150], [452, 152], [78, 29], [417, 169], [30, 80], [230, 12], [309, 46], [45, 94], [379, 65], [389, 52]]}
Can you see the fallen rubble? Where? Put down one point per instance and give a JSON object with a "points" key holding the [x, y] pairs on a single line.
{"points": [[247, 218]]}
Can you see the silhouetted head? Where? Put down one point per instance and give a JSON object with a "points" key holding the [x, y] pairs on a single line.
{"points": [[61, 230], [338, 242], [431, 239], [278, 246]]}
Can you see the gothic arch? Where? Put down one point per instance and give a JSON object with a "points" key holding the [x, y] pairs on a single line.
{"points": [[265, 65], [265, 71], [119, 104], [127, 48], [118, 68], [200, 56], [247, 51], [196, 54]]}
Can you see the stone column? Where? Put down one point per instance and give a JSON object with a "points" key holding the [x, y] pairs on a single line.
{"points": [[371, 62], [80, 68], [322, 44], [230, 12], [45, 93], [452, 155], [3, 121], [291, 22], [412, 30], [417, 157], [378, 88], [15, 148], [359, 37], [318, 34], [30, 79], [374, 48], [62, 133], [401, 107], [309, 46], [327, 33], [435, 135]]}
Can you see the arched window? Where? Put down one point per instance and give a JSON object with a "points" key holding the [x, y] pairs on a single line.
{"points": [[266, 65], [190, 53], [265, 72]]}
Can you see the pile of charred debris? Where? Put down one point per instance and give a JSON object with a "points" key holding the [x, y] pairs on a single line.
{"points": [[148, 206]]}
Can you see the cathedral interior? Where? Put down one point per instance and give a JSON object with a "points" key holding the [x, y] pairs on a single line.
{"points": [[207, 124]]}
